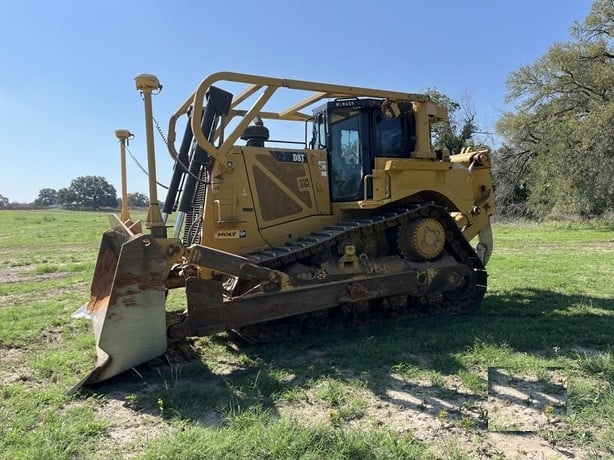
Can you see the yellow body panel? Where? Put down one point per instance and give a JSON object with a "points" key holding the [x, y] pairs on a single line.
{"points": [[265, 202]]}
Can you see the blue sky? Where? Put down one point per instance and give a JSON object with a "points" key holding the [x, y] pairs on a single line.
{"points": [[67, 67]]}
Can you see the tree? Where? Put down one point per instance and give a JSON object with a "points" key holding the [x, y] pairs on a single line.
{"points": [[558, 141], [65, 197], [4, 201], [138, 200], [46, 197], [511, 193], [458, 131], [88, 192]]}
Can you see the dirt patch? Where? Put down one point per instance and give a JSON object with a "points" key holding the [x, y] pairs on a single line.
{"points": [[10, 300], [526, 403], [13, 275], [129, 430], [526, 446], [13, 367], [449, 417], [20, 274]]}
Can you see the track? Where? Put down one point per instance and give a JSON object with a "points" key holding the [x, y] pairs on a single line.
{"points": [[380, 226]]}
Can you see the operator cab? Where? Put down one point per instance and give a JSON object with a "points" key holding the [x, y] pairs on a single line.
{"points": [[356, 131]]}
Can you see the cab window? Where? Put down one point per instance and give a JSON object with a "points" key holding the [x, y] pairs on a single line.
{"points": [[391, 137], [346, 156]]}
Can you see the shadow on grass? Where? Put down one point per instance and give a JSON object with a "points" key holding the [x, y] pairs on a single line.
{"points": [[509, 326]]}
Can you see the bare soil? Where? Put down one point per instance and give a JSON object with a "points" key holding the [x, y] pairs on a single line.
{"points": [[20, 274], [525, 402], [453, 419], [13, 367], [129, 429]]}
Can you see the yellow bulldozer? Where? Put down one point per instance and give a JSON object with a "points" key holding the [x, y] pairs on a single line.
{"points": [[360, 217]]}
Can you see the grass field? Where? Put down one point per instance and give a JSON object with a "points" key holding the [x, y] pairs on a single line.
{"points": [[529, 375]]}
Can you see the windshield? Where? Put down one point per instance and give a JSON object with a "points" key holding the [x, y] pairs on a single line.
{"points": [[391, 139]]}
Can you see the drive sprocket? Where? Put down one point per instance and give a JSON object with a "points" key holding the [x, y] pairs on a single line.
{"points": [[421, 239]]}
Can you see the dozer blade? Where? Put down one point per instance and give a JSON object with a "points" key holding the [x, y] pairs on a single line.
{"points": [[127, 303]]}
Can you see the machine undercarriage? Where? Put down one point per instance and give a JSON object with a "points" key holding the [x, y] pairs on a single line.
{"points": [[336, 268]]}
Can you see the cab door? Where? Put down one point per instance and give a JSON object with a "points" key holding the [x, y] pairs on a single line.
{"points": [[348, 149]]}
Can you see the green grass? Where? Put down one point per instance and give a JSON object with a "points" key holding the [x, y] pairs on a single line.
{"points": [[346, 394], [254, 435]]}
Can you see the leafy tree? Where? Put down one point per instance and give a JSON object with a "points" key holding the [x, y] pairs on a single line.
{"points": [[65, 197], [88, 192], [4, 201], [511, 193], [558, 141], [138, 200], [46, 197], [461, 126]]}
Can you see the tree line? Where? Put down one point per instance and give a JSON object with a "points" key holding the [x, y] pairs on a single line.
{"points": [[85, 192]]}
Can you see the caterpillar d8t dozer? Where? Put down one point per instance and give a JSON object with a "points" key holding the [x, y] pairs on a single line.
{"points": [[272, 238]]}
